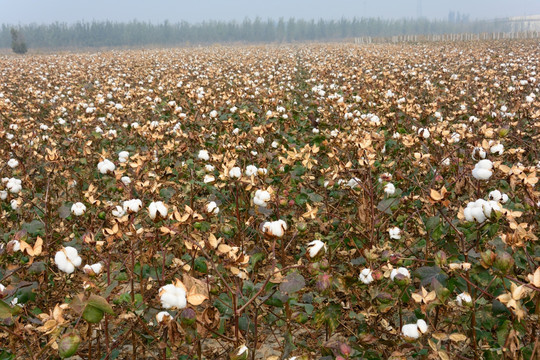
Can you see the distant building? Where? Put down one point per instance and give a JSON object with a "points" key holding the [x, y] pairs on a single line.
{"points": [[524, 23]]}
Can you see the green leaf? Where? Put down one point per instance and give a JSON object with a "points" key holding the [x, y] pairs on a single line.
{"points": [[386, 205], [292, 283], [5, 311], [100, 303], [35, 227], [428, 273], [502, 332], [167, 193], [64, 211]]}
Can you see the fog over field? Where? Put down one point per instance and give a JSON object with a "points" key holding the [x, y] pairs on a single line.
{"points": [[28, 11]]}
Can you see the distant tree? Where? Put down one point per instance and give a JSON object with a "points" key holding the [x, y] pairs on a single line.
{"points": [[18, 45]]}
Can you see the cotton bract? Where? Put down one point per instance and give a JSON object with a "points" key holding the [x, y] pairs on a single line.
{"points": [[67, 259]]}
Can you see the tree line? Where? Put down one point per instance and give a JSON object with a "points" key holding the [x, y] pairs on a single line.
{"points": [[139, 33]]}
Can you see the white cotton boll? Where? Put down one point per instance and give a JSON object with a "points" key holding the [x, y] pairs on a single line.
{"points": [[410, 331], [213, 114], [233, 109], [236, 131], [401, 271], [93, 269], [495, 195], [497, 149], [389, 189], [275, 144], [482, 170], [157, 208], [261, 198], [274, 228], [395, 233], [235, 172], [353, 183], [504, 198], [78, 209], [163, 316], [315, 247], [260, 140], [106, 166], [172, 296], [67, 259], [13, 163], [262, 171], [2, 288], [208, 179], [203, 155], [123, 156], [251, 170], [14, 185], [463, 298], [125, 180], [14, 204], [15, 245], [422, 326], [3, 195], [478, 151], [133, 205], [366, 276], [118, 211], [212, 208], [424, 133], [315, 130], [209, 167]]}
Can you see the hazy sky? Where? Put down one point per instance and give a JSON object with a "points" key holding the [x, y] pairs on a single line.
{"points": [[46, 11]]}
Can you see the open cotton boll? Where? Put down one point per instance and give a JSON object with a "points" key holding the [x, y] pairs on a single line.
{"points": [[410, 331], [251, 170], [495, 195], [261, 198], [424, 133], [106, 166], [274, 228], [213, 114], [13, 163], [123, 156], [203, 155], [400, 271], [118, 211], [14, 204], [366, 276], [93, 269], [212, 208], [260, 140], [173, 296], [353, 183], [463, 299], [78, 209], [395, 233], [422, 326], [156, 209], [235, 172], [3, 195], [208, 179], [497, 149], [389, 189], [482, 170], [133, 205], [209, 167], [478, 152], [125, 180], [315, 247], [67, 259], [14, 185], [163, 317]]}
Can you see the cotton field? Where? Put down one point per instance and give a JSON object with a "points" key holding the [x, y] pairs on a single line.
{"points": [[278, 202]]}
